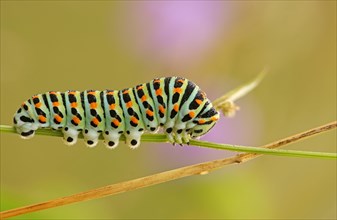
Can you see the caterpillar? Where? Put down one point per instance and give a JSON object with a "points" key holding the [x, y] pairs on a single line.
{"points": [[175, 104]]}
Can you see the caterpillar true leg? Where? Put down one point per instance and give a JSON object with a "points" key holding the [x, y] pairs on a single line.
{"points": [[185, 137]]}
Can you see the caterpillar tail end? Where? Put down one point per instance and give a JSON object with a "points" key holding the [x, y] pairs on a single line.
{"points": [[27, 135]]}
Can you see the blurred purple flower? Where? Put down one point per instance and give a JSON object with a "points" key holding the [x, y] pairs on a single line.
{"points": [[175, 32]]}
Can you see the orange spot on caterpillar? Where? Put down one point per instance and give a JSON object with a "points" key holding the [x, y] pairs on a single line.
{"points": [[214, 118], [162, 109], [178, 90], [95, 121], [180, 80], [201, 121], [156, 81], [143, 98], [139, 87], [73, 104], [76, 120], [159, 92], [93, 105], [52, 92], [176, 107], [134, 120], [38, 105], [129, 104], [198, 101], [149, 112], [110, 93], [56, 104], [42, 118], [116, 122], [126, 92], [112, 106], [92, 92], [58, 118], [191, 114], [71, 92]]}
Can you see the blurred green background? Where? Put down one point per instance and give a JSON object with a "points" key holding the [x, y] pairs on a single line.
{"points": [[61, 45]]}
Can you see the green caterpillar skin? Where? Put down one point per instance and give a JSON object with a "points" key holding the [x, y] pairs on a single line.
{"points": [[174, 103]]}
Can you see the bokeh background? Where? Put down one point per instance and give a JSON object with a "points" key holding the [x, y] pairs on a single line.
{"points": [[61, 45]]}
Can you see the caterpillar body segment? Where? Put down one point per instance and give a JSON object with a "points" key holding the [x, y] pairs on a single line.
{"points": [[157, 88], [134, 126], [147, 107], [57, 109], [173, 103], [114, 119], [73, 110]]}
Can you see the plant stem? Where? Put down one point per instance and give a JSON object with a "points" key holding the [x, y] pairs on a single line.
{"points": [[237, 148]]}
